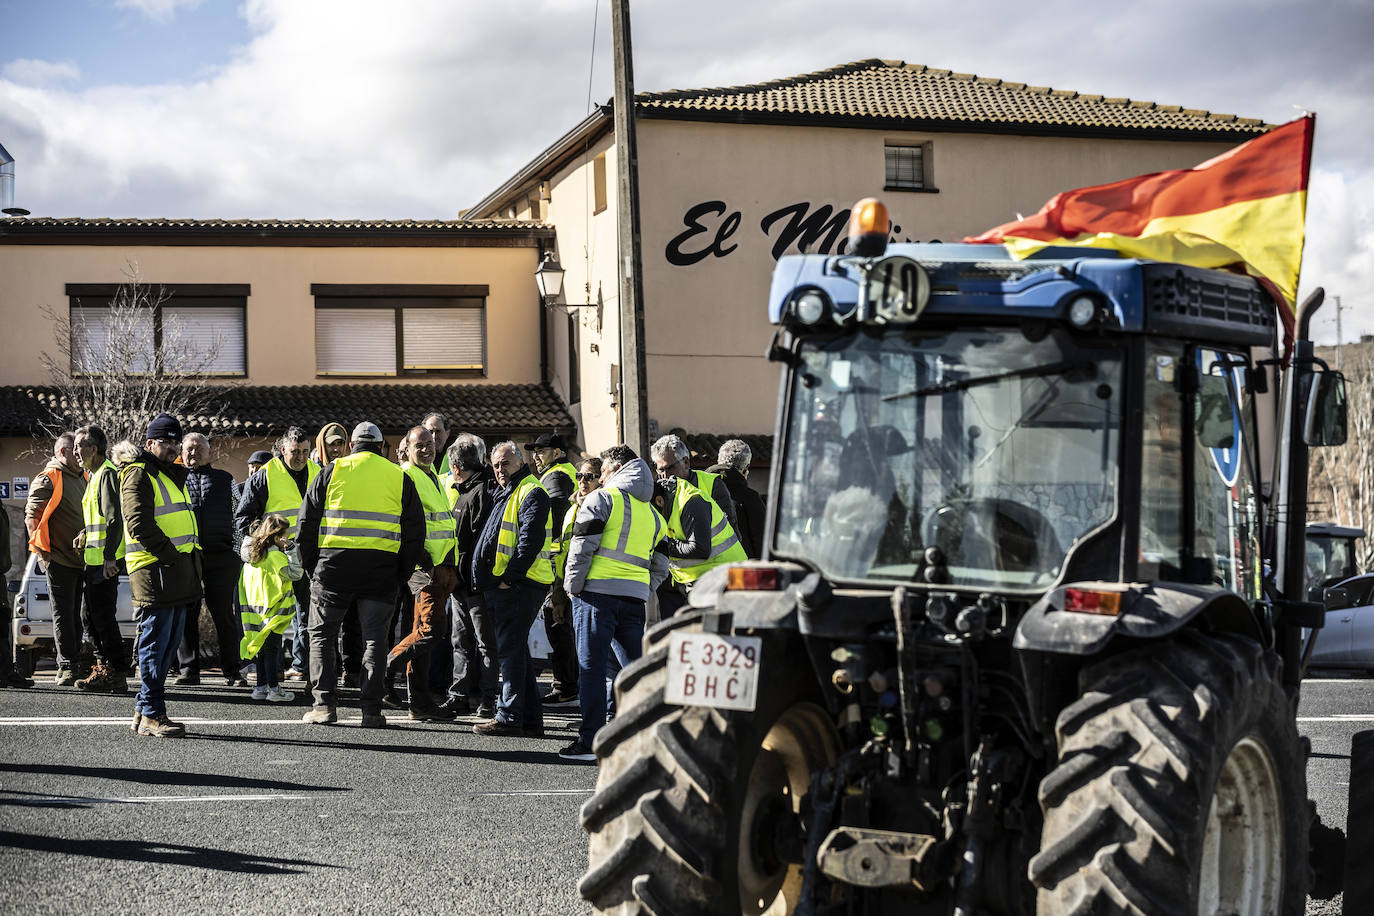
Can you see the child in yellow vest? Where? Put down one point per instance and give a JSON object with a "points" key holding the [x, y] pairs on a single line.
{"points": [[272, 563]]}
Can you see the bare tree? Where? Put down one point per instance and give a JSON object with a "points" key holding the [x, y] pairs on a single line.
{"points": [[119, 365], [1344, 476]]}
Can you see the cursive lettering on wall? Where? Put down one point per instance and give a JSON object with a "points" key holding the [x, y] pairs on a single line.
{"points": [[803, 227]]}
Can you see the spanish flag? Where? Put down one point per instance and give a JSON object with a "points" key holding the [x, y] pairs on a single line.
{"points": [[1243, 210]]}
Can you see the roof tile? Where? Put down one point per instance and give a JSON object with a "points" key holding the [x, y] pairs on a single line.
{"points": [[901, 92]]}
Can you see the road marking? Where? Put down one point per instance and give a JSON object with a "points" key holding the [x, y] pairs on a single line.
{"points": [[186, 720], [534, 793], [1341, 717], [1338, 680], [49, 801]]}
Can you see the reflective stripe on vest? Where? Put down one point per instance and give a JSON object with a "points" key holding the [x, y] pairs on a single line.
{"points": [[441, 530], [725, 545], [362, 504], [626, 547], [283, 496], [541, 570], [172, 513], [96, 524]]}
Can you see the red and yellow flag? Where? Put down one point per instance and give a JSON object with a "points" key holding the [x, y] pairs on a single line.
{"points": [[1243, 209]]}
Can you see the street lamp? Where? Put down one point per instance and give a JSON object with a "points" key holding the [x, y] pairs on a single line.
{"points": [[549, 276]]}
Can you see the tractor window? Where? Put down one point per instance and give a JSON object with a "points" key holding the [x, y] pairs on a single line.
{"points": [[1161, 485], [1226, 523]]}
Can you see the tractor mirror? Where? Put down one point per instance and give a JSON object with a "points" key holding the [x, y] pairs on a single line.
{"points": [[1335, 598], [1325, 422]]}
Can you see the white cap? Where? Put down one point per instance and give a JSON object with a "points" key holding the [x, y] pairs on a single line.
{"points": [[367, 432]]}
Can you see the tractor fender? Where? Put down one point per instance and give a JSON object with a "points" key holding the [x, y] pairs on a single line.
{"points": [[1147, 611]]}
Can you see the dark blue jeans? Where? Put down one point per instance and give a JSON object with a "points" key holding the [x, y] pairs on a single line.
{"points": [[513, 610], [159, 635], [603, 624]]}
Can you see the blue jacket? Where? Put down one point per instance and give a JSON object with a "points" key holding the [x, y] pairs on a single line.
{"points": [[530, 521], [212, 500]]}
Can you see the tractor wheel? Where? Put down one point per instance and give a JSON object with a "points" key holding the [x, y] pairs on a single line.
{"points": [[696, 810], [1180, 787]]}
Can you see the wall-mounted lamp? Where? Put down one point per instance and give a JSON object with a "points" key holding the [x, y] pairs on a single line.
{"points": [[549, 276]]}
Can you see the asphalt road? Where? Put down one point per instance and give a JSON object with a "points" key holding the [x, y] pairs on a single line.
{"points": [[256, 813]]}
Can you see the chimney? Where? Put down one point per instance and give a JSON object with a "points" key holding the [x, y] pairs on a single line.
{"points": [[7, 186]]}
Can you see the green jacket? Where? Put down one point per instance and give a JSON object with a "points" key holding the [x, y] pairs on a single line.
{"points": [[175, 578]]}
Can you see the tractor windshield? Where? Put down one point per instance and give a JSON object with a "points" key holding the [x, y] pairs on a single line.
{"points": [[997, 446]]}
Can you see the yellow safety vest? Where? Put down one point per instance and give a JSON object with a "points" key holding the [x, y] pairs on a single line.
{"points": [[283, 497], [95, 522], [563, 466], [172, 513], [268, 602], [560, 546], [541, 570], [725, 545], [706, 483], [633, 530], [362, 504], [441, 530]]}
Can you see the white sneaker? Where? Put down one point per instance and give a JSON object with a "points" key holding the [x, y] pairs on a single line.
{"points": [[277, 695], [259, 692]]}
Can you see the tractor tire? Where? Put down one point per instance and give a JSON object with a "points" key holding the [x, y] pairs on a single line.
{"points": [[1180, 787], [679, 786]]}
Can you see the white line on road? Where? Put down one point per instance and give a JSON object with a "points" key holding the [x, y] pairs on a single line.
{"points": [[1342, 717], [187, 720], [48, 801], [530, 792]]}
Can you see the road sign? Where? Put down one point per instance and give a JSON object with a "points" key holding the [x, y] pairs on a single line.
{"points": [[21, 488], [4, 489]]}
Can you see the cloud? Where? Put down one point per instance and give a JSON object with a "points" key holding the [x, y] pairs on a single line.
{"points": [[158, 10], [41, 72], [1339, 255], [338, 108]]}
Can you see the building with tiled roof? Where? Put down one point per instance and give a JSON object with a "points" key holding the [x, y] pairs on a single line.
{"points": [[732, 178], [290, 322]]}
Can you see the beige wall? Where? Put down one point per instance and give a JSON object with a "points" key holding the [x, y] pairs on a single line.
{"points": [[587, 247], [706, 323], [281, 311]]}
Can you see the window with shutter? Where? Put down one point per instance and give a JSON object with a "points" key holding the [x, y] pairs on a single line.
{"points": [[400, 330], [353, 341], [186, 329]]}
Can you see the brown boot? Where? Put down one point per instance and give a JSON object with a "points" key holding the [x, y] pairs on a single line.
{"points": [[104, 679]]}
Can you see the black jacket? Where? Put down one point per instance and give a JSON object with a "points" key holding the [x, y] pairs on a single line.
{"points": [[212, 499], [360, 571], [750, 512], [471, 511]]}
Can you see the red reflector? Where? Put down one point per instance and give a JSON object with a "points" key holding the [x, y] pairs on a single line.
{"points": [[1086, 601], [24, 629], [752, 578]]}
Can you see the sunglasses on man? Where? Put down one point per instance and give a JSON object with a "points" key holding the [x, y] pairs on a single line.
{"points": [[585, 477]]}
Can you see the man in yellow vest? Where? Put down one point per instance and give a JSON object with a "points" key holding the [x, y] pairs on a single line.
{"points": [[361, 534], [699, 539], [612, 567], [432, 582], [162, 553], [279, 486], [672, 458], [104, 555], [54, 520], [512, 567], [557, 476]]}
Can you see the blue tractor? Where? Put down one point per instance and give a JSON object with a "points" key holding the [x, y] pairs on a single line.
{"points": [[1027, 637]]}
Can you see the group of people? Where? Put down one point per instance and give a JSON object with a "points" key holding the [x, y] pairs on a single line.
{"points": [[432, 568]]}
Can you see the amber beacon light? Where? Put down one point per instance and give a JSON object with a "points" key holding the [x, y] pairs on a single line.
{"points": [[868, 227]]}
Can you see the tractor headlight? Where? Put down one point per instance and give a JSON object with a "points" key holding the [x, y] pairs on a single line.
{"points": [[810, 306], [1082, 311]]}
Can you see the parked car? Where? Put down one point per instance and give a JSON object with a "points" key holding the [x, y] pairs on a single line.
{"points": [[31, 629], [1347, 640]]}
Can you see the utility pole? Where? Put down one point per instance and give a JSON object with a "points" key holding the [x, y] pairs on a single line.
{"points": [[634, 395], [1339, 309]]}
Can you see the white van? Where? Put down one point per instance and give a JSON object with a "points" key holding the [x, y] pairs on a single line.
{"points": [[31, 629]]}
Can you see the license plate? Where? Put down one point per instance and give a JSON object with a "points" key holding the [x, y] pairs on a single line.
{"points": [[709, 670]]}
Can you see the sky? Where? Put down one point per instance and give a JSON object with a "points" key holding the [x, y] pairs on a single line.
{"points": [[416, 109]]}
